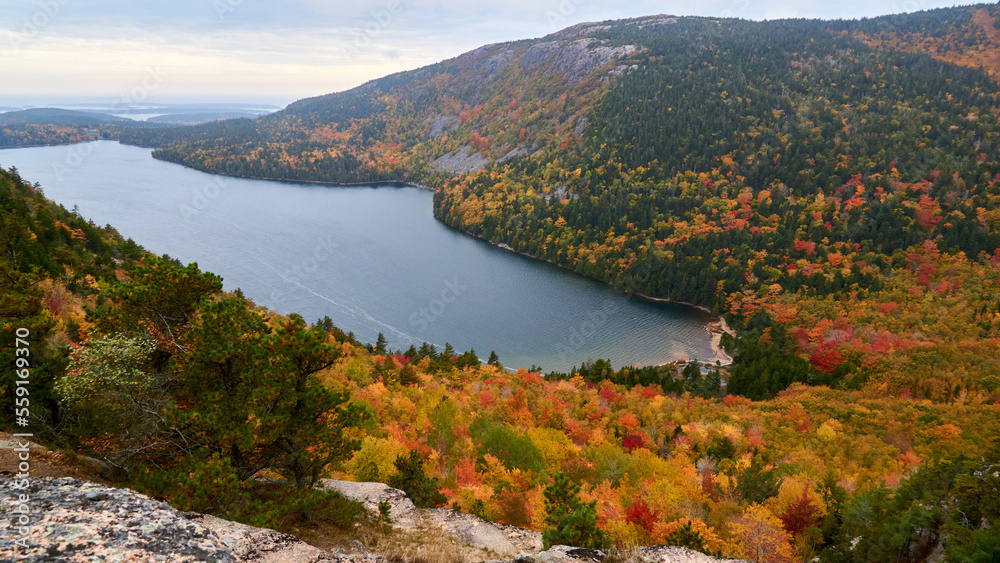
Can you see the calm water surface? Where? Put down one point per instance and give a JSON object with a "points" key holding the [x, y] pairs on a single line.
{"points": [[372, 258]]}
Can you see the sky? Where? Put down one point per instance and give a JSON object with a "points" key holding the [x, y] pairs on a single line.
{"points": [[161, 51]]}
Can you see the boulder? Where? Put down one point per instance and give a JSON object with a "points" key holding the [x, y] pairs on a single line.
{"points": [[657, 554], [261, 545], [76, 520], [370, 495], [474, 531]]}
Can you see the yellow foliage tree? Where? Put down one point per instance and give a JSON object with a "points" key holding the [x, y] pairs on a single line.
{"points": [[762, 537]]}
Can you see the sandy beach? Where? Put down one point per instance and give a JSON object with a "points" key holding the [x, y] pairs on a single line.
{"points": [[717, 328]]}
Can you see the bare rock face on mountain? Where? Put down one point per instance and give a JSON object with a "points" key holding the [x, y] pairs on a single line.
{"points": [[462, 161], [441, 124], [576, 58]]}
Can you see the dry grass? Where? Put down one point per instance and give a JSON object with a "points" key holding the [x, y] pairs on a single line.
{"points": [[48, 463], [625, 555], [424, 545]]}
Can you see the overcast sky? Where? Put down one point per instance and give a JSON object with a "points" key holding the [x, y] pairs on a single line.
{"points": [[280, 51]]}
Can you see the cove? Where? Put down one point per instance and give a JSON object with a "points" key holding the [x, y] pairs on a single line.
{"points": [[372, 258]]}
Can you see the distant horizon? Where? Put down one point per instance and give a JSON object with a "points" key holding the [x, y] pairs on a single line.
{"points": [[231, 51], [80, 102]]}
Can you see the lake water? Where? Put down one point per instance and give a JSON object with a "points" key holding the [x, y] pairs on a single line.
{"points": [[372, 258]]}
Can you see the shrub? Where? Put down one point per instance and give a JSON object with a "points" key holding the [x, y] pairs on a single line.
{"points": [[513, 508], [515, 451], [212, 485], [198, 484], [686, 536]]}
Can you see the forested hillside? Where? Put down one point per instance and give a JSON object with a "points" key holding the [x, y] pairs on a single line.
{"points": [[202, 398], [52, 126], [498, 101]]}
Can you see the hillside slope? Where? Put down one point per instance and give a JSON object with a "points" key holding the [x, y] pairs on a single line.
{"points": [[497, 101], [146, 364], [837, 198]]}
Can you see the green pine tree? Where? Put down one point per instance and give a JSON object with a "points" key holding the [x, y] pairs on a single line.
{"points": [[411, 479], [568, 520]]}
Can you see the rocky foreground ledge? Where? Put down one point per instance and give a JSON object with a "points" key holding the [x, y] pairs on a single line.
{"points": [[76, 520]]}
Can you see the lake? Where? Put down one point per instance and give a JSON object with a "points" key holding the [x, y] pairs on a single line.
{"points": [[372, 258]]}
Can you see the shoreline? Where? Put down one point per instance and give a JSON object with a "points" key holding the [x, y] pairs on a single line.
{"points": [[715, 328], [372, 183]]}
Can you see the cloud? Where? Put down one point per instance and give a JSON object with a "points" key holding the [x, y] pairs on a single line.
{"points": [[296, 48]]}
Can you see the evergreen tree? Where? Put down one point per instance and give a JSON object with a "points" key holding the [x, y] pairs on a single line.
{"points": [[410, 478], [756, 483], [250, 394], [568, 521]]}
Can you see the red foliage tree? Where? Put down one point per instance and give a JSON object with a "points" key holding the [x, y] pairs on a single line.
{"points": [[640, 515], [800, 515], [631, 442], [808, 247], [826, 357]]}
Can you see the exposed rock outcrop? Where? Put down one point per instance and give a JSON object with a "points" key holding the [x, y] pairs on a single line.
{"points": [[441, 124], [473, 531], [590, 28], [467, 529], [463, 160], [495, 63], [371, 495], [576, 58], [658, 554], [76, 520]]}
